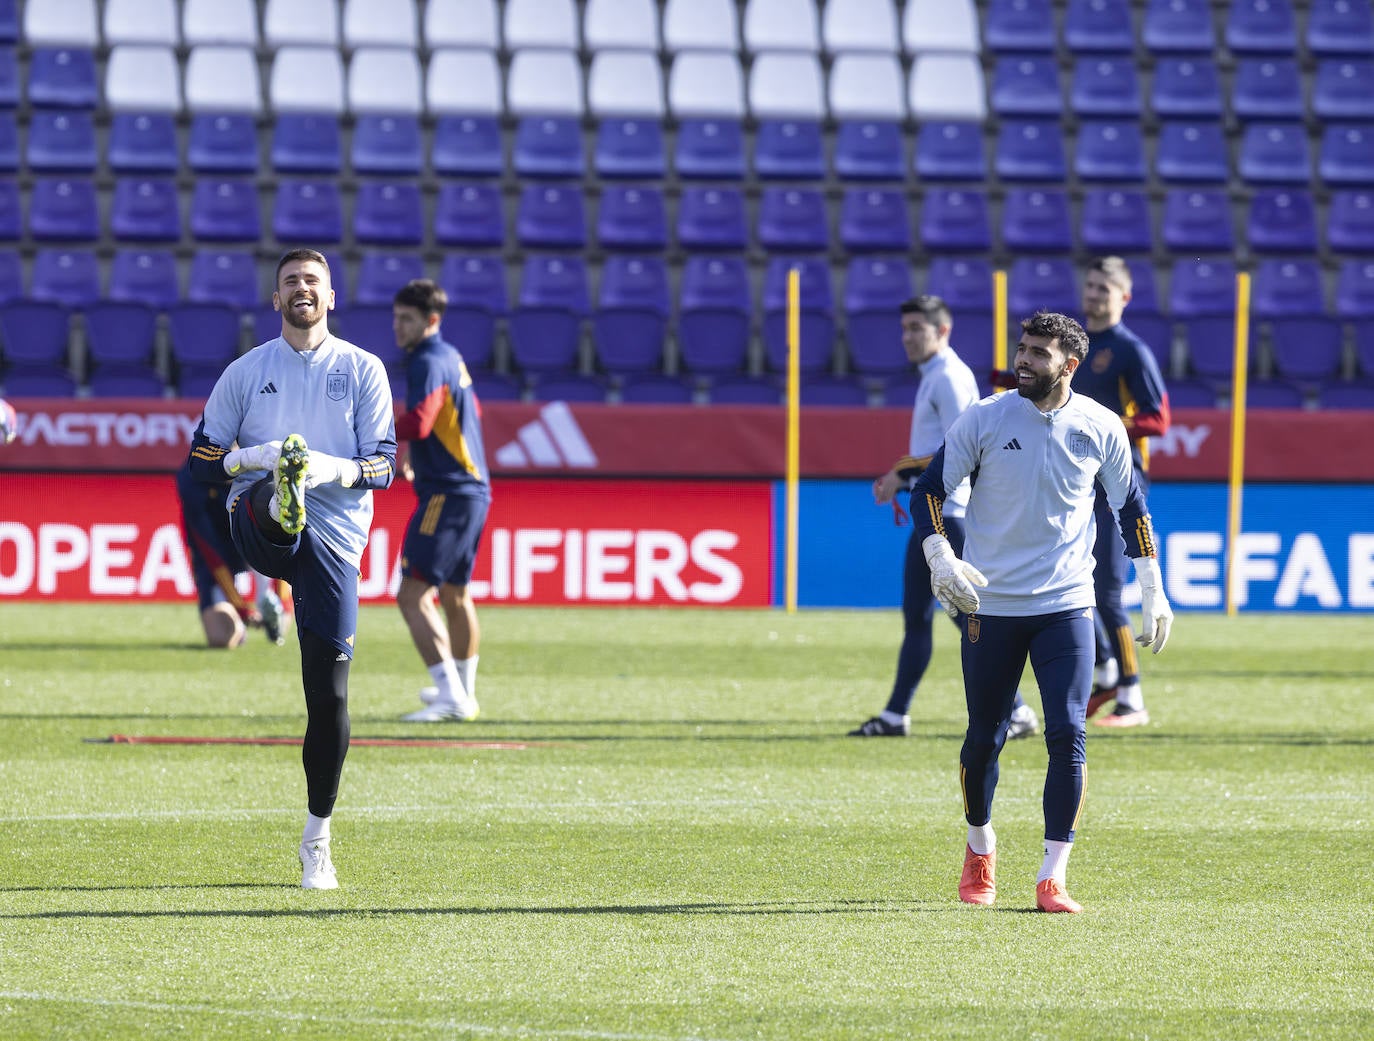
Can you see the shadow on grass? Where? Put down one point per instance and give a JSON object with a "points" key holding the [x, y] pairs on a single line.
{"points": [[777, 907]]}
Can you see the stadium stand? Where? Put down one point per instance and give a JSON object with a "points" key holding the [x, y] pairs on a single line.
{"points": [[645, 172]]}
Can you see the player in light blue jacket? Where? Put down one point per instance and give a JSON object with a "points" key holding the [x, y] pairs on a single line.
{"points": [[312, 417], [1025, 580]]}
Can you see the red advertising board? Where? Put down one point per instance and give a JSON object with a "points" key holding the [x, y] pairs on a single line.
{"points": [[603, 542], [555, 438]]}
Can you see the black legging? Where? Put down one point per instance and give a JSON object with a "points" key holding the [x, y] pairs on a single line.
{"points": [[326, 730]]}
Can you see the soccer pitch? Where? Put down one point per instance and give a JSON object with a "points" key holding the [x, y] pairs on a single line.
{"points": [[668, 838]]}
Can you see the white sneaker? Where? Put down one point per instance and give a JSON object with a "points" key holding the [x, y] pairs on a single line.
{"points": [[444, 711], [274, 618], [1023, 723], [317, 870], [429, 695]]}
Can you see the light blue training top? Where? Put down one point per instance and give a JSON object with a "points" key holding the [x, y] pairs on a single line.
{"points": [[947, 389]]}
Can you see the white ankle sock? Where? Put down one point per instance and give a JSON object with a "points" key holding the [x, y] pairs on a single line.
{"points": [[982, 839], [1056, 862], [1130, 697], [467, 674], [893, 718], [446, 678], [316, 829], [1107, 674]]}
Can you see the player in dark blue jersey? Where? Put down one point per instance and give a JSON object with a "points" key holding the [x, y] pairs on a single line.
{"points": [[216, 563], [1120, 372], [448, 465]]}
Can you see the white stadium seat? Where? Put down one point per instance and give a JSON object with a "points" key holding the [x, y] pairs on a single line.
{"points": [[625, 83], [301, 23], [709, 25], [307, 79], [626, 24], [781, 25], [860, 25], [940, 25], [367, 23], [786, 85], [947, 86], [384, 79], [541, 23], [60, 23], [463, 82], [141, 21], [142, 78], [461, 23], [706, 84], [220, 21], [545, 83], [222, 79], [867, 86]]}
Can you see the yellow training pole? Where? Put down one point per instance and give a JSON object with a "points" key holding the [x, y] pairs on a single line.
{"points": [[793, 431], [1241, 363], [999, 323]]}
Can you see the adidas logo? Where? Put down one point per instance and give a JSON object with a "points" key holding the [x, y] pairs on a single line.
{"points": [[552, 440], [268, 388], [1013, 444]]}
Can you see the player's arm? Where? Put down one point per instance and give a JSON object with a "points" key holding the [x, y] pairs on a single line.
{"points": [[1146, 384], [417, 423]]}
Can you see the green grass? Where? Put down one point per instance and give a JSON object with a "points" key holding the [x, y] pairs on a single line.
{"points": [[686, 848]]}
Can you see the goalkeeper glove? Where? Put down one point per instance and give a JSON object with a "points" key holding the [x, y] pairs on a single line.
{"points": [[951, 579], [331, 469], [1156, 616], [259, 457]]}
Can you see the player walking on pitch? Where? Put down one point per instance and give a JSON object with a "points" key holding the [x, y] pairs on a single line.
{"points": [[312, 415], [1028, 545]]}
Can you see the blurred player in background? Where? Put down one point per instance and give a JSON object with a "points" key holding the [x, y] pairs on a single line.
{"points": [[947, 388], [313, 416], [447, 463], [1028, 539], [216, 564], [1121, 373]]}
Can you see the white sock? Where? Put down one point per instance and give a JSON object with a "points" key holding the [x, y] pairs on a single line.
{"points": [[892, 717], [1130, 697], [467, 674], [1107, 674], [982, 839], [316, 829], [1056, 862], [445, 676], [274, 508]]}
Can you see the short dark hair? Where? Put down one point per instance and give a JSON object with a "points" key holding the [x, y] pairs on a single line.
{"points": [[1061, 327], [930, 307], [301, 254], [423, 294], [1114, 270]]}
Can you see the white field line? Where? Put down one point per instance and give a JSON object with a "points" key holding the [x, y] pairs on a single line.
{"points": [[445, 1026]]}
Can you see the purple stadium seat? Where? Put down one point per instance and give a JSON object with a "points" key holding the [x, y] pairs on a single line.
{"points": [[1288, 287], [832, 392], [714, 314], [143, 142], [469, 215], [1110, 150], [1307, 347], [950, 151], [1192, 152], [647, 388], [875, 288], [965, 285], [63, 209], [745, 390], [789, 150], [1343, 88], [1275, 393], [1261, 27], [793, 219], [476, 288], [223, 142], [546, 324], [9, 76], [1179, 25], [225, 210], [631, 320], [120, 382], [306, 143], [1096, 25], [1355, 290], [11, 277], [61, 141], [1155, 330], [34, 340], [874, 220], [1187, 87], [1020, 25], [388, 213], [1275, 153], [1036, 220], [1191, 392], [1197, 220], [955, 219], [1105, 85], [1030, 150], [1202, 287], [817, 306], [9, 145], [145, 209], [1340, 27], [1267, 88], [709, 149], [1350, 221], [1116, 221], [630, 148], [1282, 220], [144, 277], [369, 327], [549, 146], [870, 150], [1144, 284], [551, 216], [712, 218], [467, 146], [1347, 155], [205, 338], [70, 277], [308, 211], [380, 275], [1210, 343], [632, 217], [493, 386], [900, 391], [1026, 85], [557, 386], [1041, 284], [119, 341], [63, 77], [387, 143], [1338, 394], [224, 277]]}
